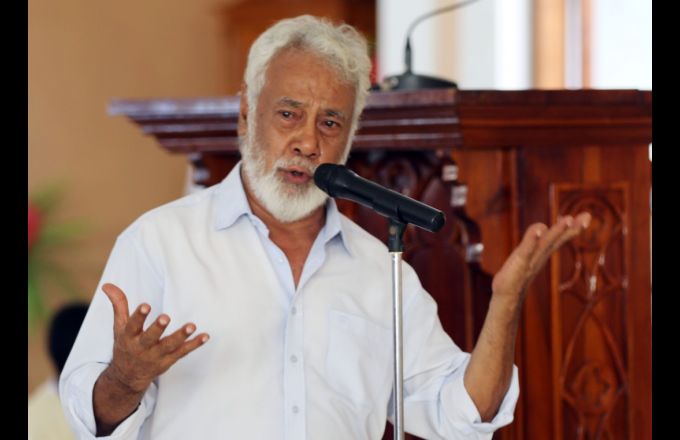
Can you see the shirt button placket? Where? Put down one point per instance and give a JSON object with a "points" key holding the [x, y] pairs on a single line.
{"points": [[294, 376]]}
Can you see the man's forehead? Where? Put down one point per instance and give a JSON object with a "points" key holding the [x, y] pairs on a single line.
{"points": [[299, 78], [306, 57], [290, 102]]}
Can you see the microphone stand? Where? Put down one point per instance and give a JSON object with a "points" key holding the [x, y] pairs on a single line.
{"points": [[395, 246], [339, 181]]}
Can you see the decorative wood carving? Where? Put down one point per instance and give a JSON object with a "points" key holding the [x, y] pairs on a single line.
{"points": [[590, 283]]}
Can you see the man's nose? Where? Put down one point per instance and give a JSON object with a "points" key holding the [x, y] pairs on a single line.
{"points": [[307, 141]]}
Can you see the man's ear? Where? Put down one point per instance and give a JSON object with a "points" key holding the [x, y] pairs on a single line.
{"points": [[243, 111]]}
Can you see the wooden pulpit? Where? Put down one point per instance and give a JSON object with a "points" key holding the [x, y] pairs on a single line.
{"points": [[496, 162]]}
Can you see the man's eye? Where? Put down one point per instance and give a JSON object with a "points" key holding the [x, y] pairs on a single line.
{"points": [[330, 124], [286, 114]]}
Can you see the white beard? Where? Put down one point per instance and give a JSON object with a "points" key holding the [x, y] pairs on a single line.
{"points": [[287, 202]]}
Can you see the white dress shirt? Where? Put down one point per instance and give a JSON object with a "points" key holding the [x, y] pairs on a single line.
{"points": [[312, 362]]}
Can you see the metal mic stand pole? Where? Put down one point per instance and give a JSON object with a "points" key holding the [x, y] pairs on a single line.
{"points": [[396, 247]]}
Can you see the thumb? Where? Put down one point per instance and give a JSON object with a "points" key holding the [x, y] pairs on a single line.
{"points": [[120, 306]]}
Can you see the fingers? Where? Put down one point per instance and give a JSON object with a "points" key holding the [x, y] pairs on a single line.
{"points": [[154, 332], [173, 341], [556, 232], [583, 219], [120, 306], [135, 324], [565, 229], [531, 240], [190, 345], [175, 345], [576, 225]]}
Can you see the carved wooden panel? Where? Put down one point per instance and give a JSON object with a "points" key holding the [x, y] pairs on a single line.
{"points": [[589, 332]]}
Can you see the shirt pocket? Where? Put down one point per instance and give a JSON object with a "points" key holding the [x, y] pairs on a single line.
{"points": [[358, 358]]}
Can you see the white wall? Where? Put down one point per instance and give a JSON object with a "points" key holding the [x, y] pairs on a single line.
{"points": [[622, 44], [485, 45]]}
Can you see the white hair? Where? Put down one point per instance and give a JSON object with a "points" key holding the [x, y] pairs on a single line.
{"points": [[345, 51], [342, 47]]}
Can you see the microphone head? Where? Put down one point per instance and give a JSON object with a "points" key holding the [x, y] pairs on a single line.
{"points": [[323, 176], [437, 222], [340, 181]]}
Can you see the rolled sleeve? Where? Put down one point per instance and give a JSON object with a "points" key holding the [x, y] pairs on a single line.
{"points": [[76, 396], [128, 267], [436, 402], [462, 414]]}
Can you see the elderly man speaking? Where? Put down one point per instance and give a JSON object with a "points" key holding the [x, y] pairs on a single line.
{"points": [[253, 309]]}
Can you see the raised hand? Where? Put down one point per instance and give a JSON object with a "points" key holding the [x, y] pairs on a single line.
{"points": [[537, 245], [139, 356], [489, 372]]}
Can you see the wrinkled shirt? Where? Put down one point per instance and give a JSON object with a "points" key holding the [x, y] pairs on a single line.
{"points": [[283, 362]]}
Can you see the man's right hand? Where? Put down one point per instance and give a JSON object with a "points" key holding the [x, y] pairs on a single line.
{"points": [[139, 356]]}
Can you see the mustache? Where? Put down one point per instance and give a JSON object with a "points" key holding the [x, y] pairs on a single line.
{"points": [[307, 165]]}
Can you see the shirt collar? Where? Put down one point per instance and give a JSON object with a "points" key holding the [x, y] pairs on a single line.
{"points": [[232, 203], [231, 200], [335, 226]]}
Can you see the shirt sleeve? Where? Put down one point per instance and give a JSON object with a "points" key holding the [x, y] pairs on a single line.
{"points": [[130, 269], [436, 403]]}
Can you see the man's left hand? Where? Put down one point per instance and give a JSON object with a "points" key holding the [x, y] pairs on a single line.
{"points": [[537, 245]]}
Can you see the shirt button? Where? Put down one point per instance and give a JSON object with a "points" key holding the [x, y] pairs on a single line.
{"points": [[293, 311], [293, 358], [296, 409]]}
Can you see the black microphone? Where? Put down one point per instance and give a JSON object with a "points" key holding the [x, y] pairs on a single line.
{"points": [[340, 181]]}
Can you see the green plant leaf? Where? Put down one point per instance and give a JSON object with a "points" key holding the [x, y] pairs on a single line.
{"points": [[47, 197], [59, 234], [45, 275], [36, 307]]}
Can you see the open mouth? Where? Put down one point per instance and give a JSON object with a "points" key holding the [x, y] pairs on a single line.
{"points": [[296, 175]]}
